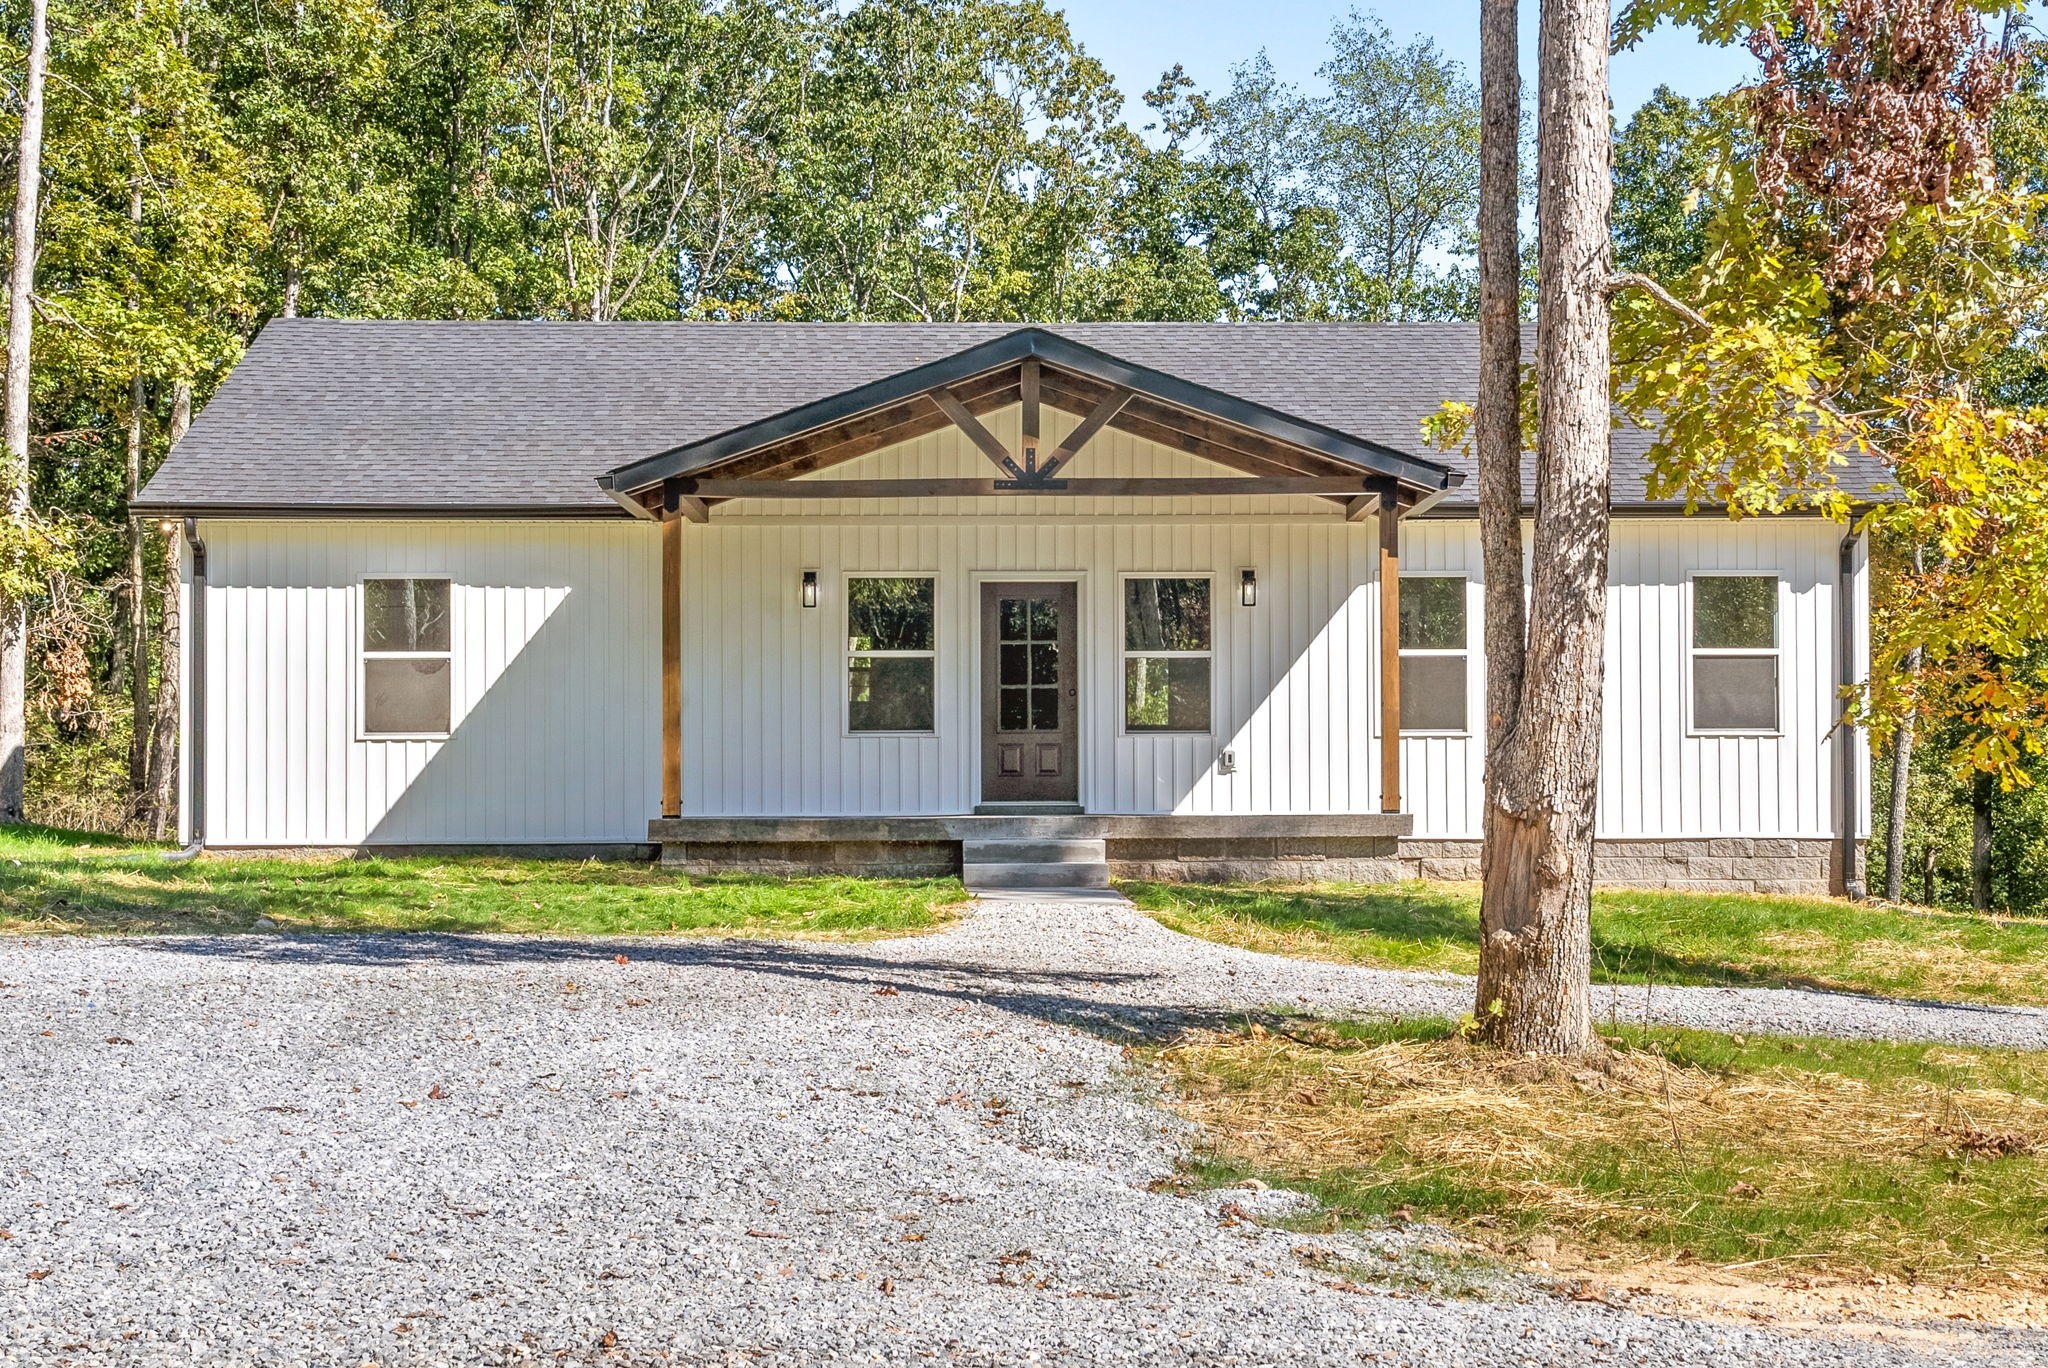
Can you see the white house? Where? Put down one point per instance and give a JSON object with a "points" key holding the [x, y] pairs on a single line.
{"points": [[1172, 600]]}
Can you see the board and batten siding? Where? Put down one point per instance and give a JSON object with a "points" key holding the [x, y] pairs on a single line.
{"points": [[557, 670], [556, 678]]}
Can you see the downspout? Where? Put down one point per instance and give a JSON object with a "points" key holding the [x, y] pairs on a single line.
{"points": [[1845, 654], [194, 629]]}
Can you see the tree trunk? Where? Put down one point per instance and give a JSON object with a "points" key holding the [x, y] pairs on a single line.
{"points": [[292, 282], [14, 490], [136, 592], [164, 728], [1982, 792], [1535, 994], [1902, 781], [1497, 424]]}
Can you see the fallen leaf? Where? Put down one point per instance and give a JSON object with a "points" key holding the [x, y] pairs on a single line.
{"points": [[437, 1092], [621, 959], [1745, 1190], [119, 1040], [888, 1287], [767, 1235], [886, 991], [38, 1274]]}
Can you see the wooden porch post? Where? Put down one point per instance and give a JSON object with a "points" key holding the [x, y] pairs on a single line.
{"points": [[1390, 653], [671, 651]]}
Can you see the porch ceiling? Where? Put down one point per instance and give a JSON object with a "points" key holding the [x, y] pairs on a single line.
{"points": [[1277, 452]]}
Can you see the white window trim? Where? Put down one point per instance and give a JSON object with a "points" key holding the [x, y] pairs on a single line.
{"points": [[847, 653], [364, 655], [1124, 653], [1775, 652], [1464, 652]]}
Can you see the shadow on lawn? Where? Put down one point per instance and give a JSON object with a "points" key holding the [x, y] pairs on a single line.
{"points": [[1448, 925], [1065, 997]]}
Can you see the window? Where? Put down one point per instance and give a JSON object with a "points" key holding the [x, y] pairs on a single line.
{"points": [[1435, 649], [1735, 653], [891, 653], [1166, 655], [408, 657]]}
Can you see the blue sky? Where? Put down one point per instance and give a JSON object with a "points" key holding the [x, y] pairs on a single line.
{"points": [[1138, 39]]}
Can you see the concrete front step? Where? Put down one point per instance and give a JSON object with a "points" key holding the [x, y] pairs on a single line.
{"points": [[1064, 875], [1034, 850], [1034, 863]]}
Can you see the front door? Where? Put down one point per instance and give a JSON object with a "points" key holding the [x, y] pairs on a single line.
{"points": [[1028, 694]]}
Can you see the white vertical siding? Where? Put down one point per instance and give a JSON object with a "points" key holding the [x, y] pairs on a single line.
{"points": [[557, 676], [556, 682], [1657, 778]]}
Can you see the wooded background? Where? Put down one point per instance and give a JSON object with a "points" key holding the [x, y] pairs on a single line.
{"points": [[207, 167]]}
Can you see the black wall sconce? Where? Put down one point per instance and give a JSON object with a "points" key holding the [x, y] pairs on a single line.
{"points": [[1248, 588], [808, 595]]}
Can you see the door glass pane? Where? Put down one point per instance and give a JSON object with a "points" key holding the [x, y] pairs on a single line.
{"points": [[1735, 611], [406, 614], [1045, 710], [1045, 620], [889, 614], [1432, 613], [1166, 615], [1013, 619], [1013, 710], [889, 693], [1045, 663], [1012, 664], [406, 696], [1166, 693], [1432, 692], [1735, 693]]}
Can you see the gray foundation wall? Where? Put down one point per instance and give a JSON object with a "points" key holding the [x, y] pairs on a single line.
{"points": [[1738, 864]]}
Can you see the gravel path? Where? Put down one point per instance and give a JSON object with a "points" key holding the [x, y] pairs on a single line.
{"points": [[430, 1150]]}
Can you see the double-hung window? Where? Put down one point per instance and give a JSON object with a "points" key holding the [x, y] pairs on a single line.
{"points": [[1168, 655], [408, 657], [1735, 653], [1436, 651], [891, 653]]}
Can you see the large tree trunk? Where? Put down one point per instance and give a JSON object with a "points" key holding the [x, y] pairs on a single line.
{"points": [[163, 731], [1497, 425], [14, 490], [1536, 948]]}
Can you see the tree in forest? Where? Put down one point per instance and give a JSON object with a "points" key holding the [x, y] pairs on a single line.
{"points": [[16, 559]]}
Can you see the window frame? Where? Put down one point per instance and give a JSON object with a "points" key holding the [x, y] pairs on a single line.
{"points": [[1432, 652], [1775, 652], [1124, 653], [360, 628], [846, 652]]}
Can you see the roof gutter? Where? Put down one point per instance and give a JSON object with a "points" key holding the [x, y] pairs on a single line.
{"points": [[195, 691], [1847, 801]]}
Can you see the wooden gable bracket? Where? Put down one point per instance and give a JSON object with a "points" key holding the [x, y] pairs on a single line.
{"points": [[678, 500], [1031, 475]]}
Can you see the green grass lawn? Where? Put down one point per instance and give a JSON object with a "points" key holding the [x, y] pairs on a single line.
{"points": [[67, 882], [1639, 936], [1928, 1162]]}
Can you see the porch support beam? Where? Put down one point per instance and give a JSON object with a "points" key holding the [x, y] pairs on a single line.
{"points": [[944, 488], [1360, 508], [1390, 654], [976, 433], [1028, 393], [671, 652]]}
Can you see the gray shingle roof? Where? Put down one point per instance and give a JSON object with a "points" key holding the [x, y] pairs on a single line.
{"points": [[327, 415]]}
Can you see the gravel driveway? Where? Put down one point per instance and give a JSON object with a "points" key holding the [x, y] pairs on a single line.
{"points": [[400, 1150]]}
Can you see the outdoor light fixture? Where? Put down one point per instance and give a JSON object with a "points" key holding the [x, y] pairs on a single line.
{"points": [[167, 526], [1248, 588], [809, 594]]}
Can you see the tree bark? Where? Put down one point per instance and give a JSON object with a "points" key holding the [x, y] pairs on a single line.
{"points": [[164, 727], [1902, 783], [1497, 425], [14, 479], [136, 592], [1982, 792], [1535, 994]]}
